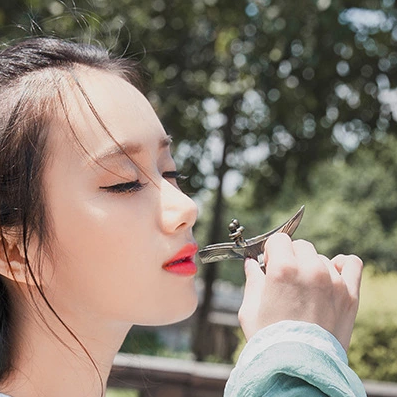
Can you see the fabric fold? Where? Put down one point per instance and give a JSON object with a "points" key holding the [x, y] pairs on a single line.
{"points": [[293, 358]]}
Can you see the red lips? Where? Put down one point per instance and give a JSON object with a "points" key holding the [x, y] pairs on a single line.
{"points": [[183, 262]]}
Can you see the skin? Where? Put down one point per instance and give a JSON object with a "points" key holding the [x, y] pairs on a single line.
{"points": [[301, 285], [106, 271]]}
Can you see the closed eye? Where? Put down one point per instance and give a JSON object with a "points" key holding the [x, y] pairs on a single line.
{"points": [[175, 175], [125, 187], [136, 186]]}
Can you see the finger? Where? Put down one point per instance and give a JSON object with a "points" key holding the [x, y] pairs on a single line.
{"points": [[330, 266], [254, 282], [279, 251], [350, 267], [253, 293], [307, 256]]}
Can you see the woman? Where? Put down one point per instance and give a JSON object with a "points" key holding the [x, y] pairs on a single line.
{"points": [[96, 237]]}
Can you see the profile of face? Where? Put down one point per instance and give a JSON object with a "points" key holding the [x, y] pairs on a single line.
{"points": [[121, 228]]}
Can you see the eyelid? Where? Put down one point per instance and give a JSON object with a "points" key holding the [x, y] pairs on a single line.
{"points": [[136, 186], [125, 187], [175, 175]]}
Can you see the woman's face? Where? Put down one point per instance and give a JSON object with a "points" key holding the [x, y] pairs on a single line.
{"points": [[122, 230]]}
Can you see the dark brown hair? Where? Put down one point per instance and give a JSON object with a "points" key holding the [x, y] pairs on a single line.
{"points": [[31, 73]]}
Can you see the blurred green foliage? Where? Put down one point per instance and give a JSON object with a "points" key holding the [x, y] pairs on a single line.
{"points": [[147, 341], [114, 392], [276, 85], [143, 342], [288, 102], [272, 95], [373, 351], [351, 207]]}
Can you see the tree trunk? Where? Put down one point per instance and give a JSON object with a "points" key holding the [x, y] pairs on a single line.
{"points": [[215, 232]]}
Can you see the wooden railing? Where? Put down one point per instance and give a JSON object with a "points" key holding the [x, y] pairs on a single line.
{"points": [[380, 389], [169, 377]]}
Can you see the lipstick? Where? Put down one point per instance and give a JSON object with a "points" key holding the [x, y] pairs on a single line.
{"points": [[183, 262]]}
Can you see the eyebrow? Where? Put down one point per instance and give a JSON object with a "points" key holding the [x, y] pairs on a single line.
{"points": [[128, 149]]}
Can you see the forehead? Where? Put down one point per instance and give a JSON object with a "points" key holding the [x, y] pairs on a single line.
{"points": [[100, 108]]}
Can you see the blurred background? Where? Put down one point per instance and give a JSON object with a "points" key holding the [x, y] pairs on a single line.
{"points": [[272, 104]]}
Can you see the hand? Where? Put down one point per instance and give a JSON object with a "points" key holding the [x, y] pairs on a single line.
{"points": [[301, 285]]}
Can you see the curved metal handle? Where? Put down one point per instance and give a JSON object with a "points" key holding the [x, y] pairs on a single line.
{"points": [[251, 248]]}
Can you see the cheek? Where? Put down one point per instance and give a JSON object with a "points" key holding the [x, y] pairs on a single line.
{"points": [[89, 228], [112, 266], [95, 249]]}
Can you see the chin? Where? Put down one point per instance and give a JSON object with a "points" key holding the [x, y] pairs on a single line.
{"points": [[174, 312], [187, 313]]}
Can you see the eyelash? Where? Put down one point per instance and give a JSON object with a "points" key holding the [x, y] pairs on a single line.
{"points": [[136, 186]]}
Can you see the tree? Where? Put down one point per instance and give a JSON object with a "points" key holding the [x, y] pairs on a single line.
{"points": [[258, 89], [351, 205]]}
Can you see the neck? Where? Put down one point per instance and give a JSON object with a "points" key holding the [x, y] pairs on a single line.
{"points": [[47, 365]]}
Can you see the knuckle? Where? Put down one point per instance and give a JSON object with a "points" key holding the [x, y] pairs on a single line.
{"points": [[278, 237], [317, 276], [349, 259], [283, 236], [303, 243], [324, 258], [285, 270], [321, 276], [357, 261]]}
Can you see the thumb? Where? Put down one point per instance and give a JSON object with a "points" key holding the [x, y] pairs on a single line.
{"points": [[253, 291]]}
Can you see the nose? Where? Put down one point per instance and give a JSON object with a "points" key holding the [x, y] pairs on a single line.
{"points": [[178, 211]]}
